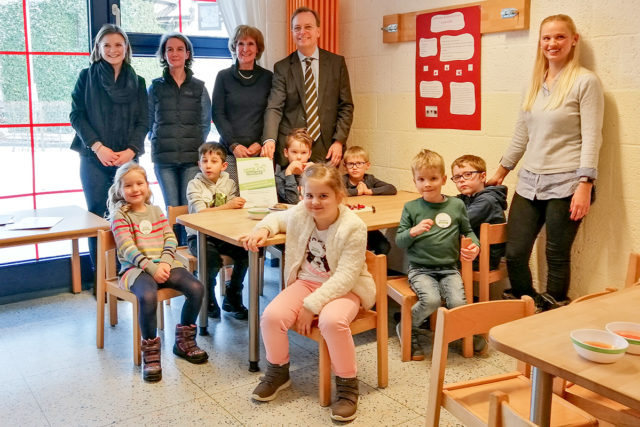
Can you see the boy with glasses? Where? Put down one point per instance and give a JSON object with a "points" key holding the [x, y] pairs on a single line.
{"points": [[484, 203], [360, 183]]}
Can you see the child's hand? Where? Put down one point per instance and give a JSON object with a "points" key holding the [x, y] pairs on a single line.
{"points": [[235, 203], [470, 252], [162, 273], [255, 239], [303, 322], [295, 168], [363, 189], [422, 227]]}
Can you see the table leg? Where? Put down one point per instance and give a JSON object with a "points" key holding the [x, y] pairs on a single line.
{"points": [[255, 260], [203, 275], [76, 281], [541, 388]]}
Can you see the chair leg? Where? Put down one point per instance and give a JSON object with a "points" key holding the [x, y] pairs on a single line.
{"points": [[100, 295], [137, 358], [483, 291], [467, 346], [405, 329], [382, 336], [160, 315], [222, 279], [113, 310], [324, 374]]}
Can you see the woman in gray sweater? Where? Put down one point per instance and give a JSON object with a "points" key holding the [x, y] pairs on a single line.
{"points": [[558, 137]]}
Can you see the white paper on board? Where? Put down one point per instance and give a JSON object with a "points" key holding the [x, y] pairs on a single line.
{"points": [[428, 47], [451, 22], [463, 98], [431, 89], [456, 48]]}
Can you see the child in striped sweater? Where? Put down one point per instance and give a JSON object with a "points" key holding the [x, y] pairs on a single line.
{"points": [[146, 248]]}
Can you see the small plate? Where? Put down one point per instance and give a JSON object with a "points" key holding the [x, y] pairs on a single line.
{"points": [[584, 339], [617, 327]]}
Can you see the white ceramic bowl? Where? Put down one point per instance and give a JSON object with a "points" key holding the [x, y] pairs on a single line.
{"points": [[617, 327], [582, 339], [258, 213]]}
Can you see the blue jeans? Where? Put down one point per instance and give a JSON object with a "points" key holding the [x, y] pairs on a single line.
{"points": [[432, 286], [96, 180], [173, 179]]}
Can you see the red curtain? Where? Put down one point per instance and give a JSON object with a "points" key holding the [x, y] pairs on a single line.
{"points": [[328, 13]]}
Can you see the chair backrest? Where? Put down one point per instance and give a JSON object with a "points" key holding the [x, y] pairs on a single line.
{"points": [[501, 414], [377, 266], [490, 234], [594, 295], [633, 270], [466, 320], [106, 253], [175, 211]]}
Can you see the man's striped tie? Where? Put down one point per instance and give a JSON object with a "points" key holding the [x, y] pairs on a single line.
{"points": [[311, 101]]}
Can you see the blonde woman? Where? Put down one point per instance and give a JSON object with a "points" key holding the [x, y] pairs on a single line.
{"points": [[558, 137]]}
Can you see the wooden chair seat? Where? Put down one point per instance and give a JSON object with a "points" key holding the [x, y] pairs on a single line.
{"points": [[502, 414], [107, 286], [470, 400], [399, 290], [365, 320]]}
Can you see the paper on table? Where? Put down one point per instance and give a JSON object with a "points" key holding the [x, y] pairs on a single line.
{"points": [[428, 47], [456, 48], [35, 222], [257, 181], [463, 98], [6, 219]]}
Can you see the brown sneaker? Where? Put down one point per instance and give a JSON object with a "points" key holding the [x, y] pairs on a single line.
{"points": [[346, 404], [151, 368], [186, 346], [275, 379]]}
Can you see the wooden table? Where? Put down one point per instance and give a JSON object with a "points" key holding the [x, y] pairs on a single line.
{"points": [[229, 225], [543, 341], [76, 223]]}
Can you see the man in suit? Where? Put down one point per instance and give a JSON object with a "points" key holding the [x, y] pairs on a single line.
{"points": [[329, 115]]}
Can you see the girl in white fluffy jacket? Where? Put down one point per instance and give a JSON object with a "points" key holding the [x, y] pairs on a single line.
{"points": [[326, 275]]}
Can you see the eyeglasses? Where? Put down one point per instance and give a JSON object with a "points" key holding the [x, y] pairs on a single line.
{"points": [[353, 165], [298, 29], [466, 175]]}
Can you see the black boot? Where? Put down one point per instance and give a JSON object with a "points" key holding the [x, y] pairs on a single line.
{"points": [[232, 303]]}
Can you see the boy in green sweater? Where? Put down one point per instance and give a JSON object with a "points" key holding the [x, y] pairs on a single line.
{"points": [[430, 229]]}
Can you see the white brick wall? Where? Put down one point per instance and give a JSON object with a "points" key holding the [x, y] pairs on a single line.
{"points": [[382, 80]]}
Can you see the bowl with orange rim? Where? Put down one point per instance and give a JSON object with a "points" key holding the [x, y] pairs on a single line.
{"points": [[598, 345], [629, 331]]}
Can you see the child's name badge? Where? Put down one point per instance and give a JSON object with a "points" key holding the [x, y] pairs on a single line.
{"points": [[145, 226], [443, 220]]}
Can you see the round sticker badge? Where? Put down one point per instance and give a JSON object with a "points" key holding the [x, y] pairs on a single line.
{"points": [[443, 220], [145, 226]]}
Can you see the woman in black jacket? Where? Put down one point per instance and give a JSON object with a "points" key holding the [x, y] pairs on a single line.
{"points": [[109, 115], [179, 119]]}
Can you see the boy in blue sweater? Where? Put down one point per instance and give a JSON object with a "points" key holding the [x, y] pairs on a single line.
{"points": [[430, 229]]}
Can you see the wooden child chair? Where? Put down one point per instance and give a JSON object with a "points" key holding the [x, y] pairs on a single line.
{"points": [[490, 234], [364, 321], [107, 284], [399, 290], [599, 406], [633, 270], [469, 400], [501, 414]]}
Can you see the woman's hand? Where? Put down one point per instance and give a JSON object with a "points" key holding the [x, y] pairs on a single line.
{"points": [[124, 157], [499, 176], [470, 252], [303, 322], [107, 156], [581, 201], [240, 151], [162, 273], [255, 239]]}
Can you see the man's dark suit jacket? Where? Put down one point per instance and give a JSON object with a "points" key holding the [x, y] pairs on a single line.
{"points": [[285, 108]]}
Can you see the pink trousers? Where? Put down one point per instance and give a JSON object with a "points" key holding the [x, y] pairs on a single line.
{"points": [[334, 320]]}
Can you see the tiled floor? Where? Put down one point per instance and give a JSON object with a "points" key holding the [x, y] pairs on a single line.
{"points": [[52, 374]]}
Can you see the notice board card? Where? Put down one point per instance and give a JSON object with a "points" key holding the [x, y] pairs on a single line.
{"points": [[448, 69]]}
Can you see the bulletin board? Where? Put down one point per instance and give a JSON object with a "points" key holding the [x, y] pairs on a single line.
{"points": [[448, 69]]}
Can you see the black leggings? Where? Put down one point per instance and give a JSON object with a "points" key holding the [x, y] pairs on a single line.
{"points": [[526, 219], [146, 289]]}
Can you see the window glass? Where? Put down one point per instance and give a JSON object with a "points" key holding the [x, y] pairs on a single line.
{"points": [[14, 94], [200, 18], [75, 198], [12, 24], [57, 168], [58, 26], [15, 162], [54, 78]]}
